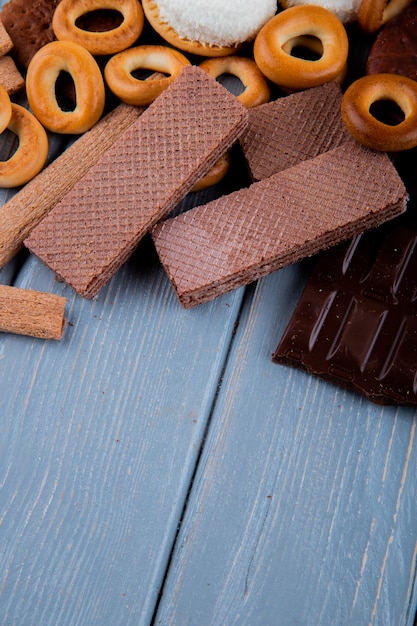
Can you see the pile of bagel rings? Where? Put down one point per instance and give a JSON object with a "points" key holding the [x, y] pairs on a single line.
{"points": [[311, 28]]}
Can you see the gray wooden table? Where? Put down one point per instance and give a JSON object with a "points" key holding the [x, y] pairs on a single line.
{"points": [[157, 468]]}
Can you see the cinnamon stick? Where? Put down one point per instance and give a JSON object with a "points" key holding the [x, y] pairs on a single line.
{"points": [[33, 313], [28, 206]]}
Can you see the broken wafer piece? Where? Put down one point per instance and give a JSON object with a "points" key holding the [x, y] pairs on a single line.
{"points": [[32, 313], [138, 181], [292, 129], [245, 235], [10, 77]]}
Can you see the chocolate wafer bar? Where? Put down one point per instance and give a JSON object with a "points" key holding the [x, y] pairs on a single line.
{"points": [[356, 322], [238, 238], [138, 181], [292, 129], [27, 208]]}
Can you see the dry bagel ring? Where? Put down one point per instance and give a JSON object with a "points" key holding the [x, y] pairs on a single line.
{"points": [[314, 45], [107, 42], [215, 174], [272, 48], [367, 129], [31, 153], [5, 109], [373, 14], [256, 87], [42, 74], [118, 72]]}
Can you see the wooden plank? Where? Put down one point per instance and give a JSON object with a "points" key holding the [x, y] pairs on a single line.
{"points": [[303, 509], [7, 272], [99, 437]]}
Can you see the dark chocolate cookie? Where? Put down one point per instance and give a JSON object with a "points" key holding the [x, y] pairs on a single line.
{"points": [[395, 48]]}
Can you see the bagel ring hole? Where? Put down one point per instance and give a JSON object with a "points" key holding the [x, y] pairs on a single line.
{"points": [[232, 83], [306, 47], [8, 145], [99, 20], [65, 92], [387, 111], [142, 73]]}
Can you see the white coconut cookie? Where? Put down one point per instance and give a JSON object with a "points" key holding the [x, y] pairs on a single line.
{"points": [[208, 27], [346, 10]]}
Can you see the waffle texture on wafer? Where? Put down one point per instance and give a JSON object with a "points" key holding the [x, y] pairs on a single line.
{"points": [[91, 232], [239, 238], [292, 129]]}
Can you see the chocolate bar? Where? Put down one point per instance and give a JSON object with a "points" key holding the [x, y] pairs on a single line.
{"points": [[356, 322], [140, 179], [238, 238], [292, 129]]}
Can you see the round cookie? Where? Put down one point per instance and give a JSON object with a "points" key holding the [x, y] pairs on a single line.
{"points": [[394, 50], [195, 27], [346, 10]]}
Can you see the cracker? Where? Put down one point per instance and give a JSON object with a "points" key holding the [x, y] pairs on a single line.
{"points": [[138, 181], [239, 238], [6, 44], [29, 25]]}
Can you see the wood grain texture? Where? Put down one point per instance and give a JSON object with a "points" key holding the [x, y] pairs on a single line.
{"points": [[98, 442], [303, 510]]}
